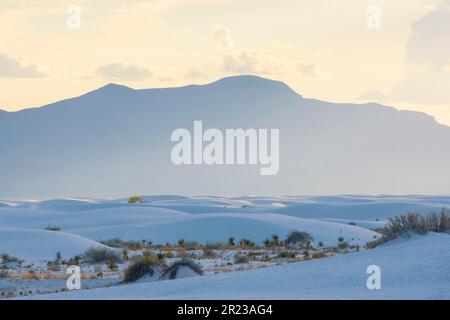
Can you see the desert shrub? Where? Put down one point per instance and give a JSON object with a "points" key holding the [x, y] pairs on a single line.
{"points": [[444, 221], [286, 254], [191, 245], [412, 222], [172, 271], [53, 228], [343, 245], [299, 238], [141, 266], [214, 245], [6, 258], [32, 275], [318, 255], [4, 273], [275, 240], [101, 255], [164, 255], [240, 258], [209, 254], [246, 243], [112, 265], [74, 261], [122, 244], [134, 199], [416, 223]]}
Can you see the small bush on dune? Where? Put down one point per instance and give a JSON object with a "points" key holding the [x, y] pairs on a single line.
{"points": [[4, 273], [53, 228], [318, 255], [286, 254], [135, 199], [215, 245], [246, 243], [240, 258], [412, 222], [299, 238], [209, 254], [172, 271], [142, 266], [101, 255], [6, 258], [343, 245], [122, 244]]}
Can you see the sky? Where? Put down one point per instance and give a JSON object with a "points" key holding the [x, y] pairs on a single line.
{"points": [[393, 52]]}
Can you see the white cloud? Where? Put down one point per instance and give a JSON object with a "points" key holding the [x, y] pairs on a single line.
{"points": [[17, 67], [428, 51], [124, 71], [429, 41], [257, 63], [249, 62], [222, 35]]}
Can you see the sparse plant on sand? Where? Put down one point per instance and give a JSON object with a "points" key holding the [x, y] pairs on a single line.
{"points": [[172, 271], [241, 258], [299, 238], [53, 228], [101, 255], [135, 199], [142, 266]]}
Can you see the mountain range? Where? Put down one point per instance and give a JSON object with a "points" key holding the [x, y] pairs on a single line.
{"points": [[115, 141]]}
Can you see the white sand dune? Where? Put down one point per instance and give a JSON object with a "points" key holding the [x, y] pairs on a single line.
{"points": [[414, 268], [169, 218], [39, 245]]}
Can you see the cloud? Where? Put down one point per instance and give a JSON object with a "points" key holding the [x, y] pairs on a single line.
{"points": [[17, 67], [429, 41], [430, 86], [428, 51], [257, 63], [124, 71], [249, 62], [222, 35]]}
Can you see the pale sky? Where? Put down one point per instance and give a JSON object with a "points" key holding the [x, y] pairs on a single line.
{"points": [[339, 51]]}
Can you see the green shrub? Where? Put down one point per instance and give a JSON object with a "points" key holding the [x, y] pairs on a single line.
{"points": [[6, 258], [318, 255], [412, 222], [286, 254], [174, 268], [343, 245], [299, 238], [101, 255], [209, 254], [135, 199], [141, 266], [240, 258], [53, 228], [122, 244], [4, 273], [246, 243]]}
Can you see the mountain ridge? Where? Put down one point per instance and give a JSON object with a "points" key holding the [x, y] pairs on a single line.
{"points": [[115, 141]]}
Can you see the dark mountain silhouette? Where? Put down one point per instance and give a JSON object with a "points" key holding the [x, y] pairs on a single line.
{"points": [[115, 141]]}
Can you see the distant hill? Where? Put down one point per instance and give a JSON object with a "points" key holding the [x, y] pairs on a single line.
{"points": [[115, 141]]}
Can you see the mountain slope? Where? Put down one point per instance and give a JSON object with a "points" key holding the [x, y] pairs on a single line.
{"points": [[115, 141]]}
